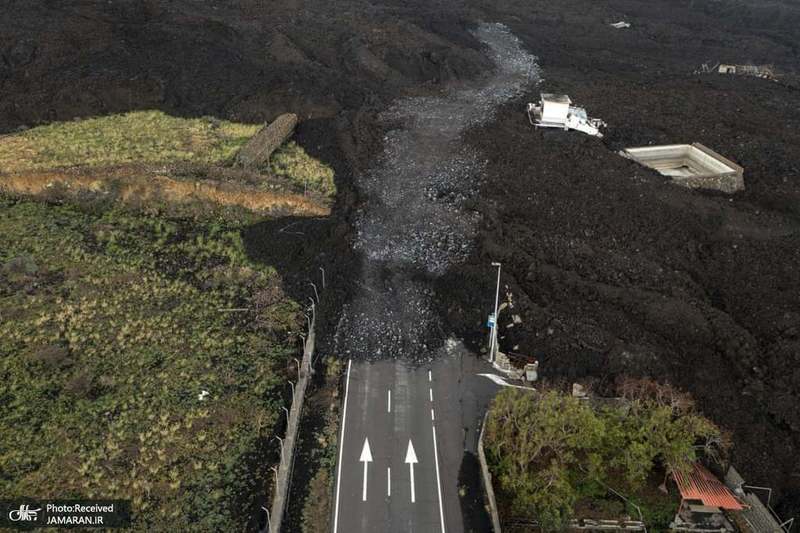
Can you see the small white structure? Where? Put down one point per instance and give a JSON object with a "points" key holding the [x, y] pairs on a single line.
{"points": [[692, 165], [621, 24], [556, 111], [531, 371], [759, 71]]}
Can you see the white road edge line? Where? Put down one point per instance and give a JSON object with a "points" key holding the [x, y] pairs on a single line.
{"points": [[341, 449], [389, 401], [388, 480], [438, 480]]}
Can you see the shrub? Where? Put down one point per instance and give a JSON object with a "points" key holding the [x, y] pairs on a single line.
{"points": [[548, 450]]}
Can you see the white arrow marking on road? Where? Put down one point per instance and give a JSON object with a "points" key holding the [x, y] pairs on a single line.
{"points": [[411, 459], [366, 458]]}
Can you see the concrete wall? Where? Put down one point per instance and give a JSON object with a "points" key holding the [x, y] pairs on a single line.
{"points": [[281, 495], [486, 478]]}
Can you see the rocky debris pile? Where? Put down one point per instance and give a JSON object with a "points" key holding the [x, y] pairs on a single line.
{"points": [[395, 320], [258, 149], [416, 193], [415, 222]]}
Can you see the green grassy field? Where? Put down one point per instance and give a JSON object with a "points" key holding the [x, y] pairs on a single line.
{"points": [[153, 137], [136, 137], [292, 162], [110, 329]]}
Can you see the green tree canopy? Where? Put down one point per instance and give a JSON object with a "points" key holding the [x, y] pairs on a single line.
{"points": [[544, 447]]}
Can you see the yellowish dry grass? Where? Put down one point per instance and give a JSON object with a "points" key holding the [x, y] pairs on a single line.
{"points": [[135, 188]]}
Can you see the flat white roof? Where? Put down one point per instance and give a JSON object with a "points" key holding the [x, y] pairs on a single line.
{"points": [[683, 160], [555, 98]]}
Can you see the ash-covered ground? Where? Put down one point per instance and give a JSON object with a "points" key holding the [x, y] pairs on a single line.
{"points": [[612, 269]]}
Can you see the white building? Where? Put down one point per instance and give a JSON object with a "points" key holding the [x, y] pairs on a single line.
{"points": [[556, 111]]}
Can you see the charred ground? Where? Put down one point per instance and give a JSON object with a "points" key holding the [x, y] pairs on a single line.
{"points": [[612, 269]]}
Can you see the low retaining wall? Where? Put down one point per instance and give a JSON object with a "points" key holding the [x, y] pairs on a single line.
{"points": [[486, 478], [281, 496]]}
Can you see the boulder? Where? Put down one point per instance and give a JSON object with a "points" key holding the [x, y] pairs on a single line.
{"points": [[258, 149]]}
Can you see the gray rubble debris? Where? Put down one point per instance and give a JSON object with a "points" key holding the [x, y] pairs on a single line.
{"points": [[415, 223]]}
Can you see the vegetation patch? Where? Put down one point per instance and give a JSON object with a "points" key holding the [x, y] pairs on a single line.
{"points": [[553, 455], [292, 162], [321, 459], [147, 158], [124, 372], [136, 137]]}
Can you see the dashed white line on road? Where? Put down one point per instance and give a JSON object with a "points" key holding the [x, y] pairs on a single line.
{"points": [[430, 377], [341, 449], [388, 480], [433, 417], [438, 480], [389, 401], [430, 393]]}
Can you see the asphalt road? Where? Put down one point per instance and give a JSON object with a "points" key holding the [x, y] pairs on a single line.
{"points": [[392, 405]]}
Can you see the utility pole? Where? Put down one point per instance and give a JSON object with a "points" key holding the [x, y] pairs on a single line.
{"points": [[492, 347]]}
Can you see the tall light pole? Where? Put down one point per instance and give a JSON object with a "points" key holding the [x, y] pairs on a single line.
{"points": [[496, 303]]}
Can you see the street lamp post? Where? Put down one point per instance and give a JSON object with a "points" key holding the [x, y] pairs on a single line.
{"points": [[492, 348]]}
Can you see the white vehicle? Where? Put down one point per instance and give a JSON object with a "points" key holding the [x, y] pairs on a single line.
{"points": [[556, 111]]}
